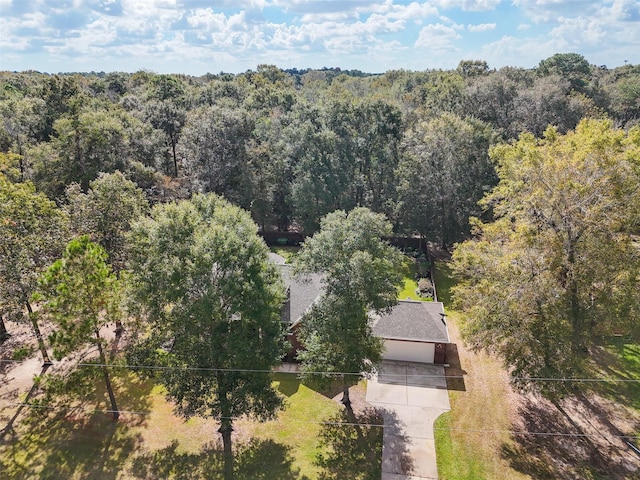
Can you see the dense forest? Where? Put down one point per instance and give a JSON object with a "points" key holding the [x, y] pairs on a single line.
{"points": [[291, 146], [130, 202]]}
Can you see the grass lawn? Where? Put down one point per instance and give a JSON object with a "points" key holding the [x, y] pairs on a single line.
{"points": [[149, 441], [409, 286], [470, 438], [624, 363], [474, 440], [285, 251]]}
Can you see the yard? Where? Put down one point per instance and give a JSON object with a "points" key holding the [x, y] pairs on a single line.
{"points": [[412, 269], [487, 433], [71, 437]]}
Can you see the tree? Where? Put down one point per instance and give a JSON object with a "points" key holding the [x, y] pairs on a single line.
{"points": [[22, 121], [32, 235], [572, 66], [106, 212], [168, 117], [321, 177], [362, 274], [90, 142], [549, 102], [214, 146], [81, 294], [444, 172], [491, 98], [4, 334], [472, 68], [559, 265], [211, 300]]}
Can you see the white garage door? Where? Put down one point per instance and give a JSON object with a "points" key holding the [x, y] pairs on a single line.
{"points": [[409, 351]]}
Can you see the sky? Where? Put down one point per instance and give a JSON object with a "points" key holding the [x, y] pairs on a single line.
{"points": [[211, 36]]}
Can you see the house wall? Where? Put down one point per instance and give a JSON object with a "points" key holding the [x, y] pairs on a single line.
{"points": [[409, 351]]}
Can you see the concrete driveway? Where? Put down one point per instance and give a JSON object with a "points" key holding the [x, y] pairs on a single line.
{"points": [[410, 396]]}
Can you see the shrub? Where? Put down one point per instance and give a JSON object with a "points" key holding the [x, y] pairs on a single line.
{"points": [[425, 288]]}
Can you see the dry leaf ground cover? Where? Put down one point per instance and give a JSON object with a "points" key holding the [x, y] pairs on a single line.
{"points": [[493, 432], [70, 436]]}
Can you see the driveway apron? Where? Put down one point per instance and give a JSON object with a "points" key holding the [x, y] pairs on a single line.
{"points": [[410, 396]]}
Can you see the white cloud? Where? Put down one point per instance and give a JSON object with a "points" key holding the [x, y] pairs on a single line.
{"points": [[542, 11], [216, 22], [574, 32], [438, 38], [483, 27], [516, 52], [468, 5]]}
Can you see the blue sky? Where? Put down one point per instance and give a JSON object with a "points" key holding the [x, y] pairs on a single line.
{"points": [[200, 36]]}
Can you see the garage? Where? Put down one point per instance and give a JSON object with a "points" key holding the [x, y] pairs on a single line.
{"points": [[414, 332], [408, 351]]}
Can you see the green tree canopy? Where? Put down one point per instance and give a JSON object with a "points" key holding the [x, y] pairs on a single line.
{"points": [[362, 275], [33, 231], [559, 266], [571, 66], [211, 302], [106, 212], [444, 172], [81, 294]]}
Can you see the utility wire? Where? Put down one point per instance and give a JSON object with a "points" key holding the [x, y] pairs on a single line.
{"points": [[377, 425], [383, 374]]}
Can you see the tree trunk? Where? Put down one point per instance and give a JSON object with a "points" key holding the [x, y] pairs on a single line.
{"points": [[36, 329], [112, 398], [225, 426], [119, 329], [579, 335], [351, 416], [3, 330], [346, 400], [175, 158], [225, 430]]}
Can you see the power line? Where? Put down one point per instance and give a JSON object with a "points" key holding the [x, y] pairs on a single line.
{"points": [[376, 425], [334, 373]]}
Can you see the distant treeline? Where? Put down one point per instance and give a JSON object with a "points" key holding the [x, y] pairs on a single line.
{"points": [[293, 145]]}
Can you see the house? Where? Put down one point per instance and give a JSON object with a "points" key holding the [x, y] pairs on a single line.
{"points": [[301, 293], [412, 331]]}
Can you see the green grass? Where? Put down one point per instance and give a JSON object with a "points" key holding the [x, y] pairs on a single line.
{"points": [[444, 280], [454, 461], [75, 441], [22, 353], [470, 438], [298, 425], [619, 359], [288, 252], [409, 286]]}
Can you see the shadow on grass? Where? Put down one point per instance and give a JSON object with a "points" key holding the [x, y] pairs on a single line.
{"points": [[454, 372], [329, 387], [288, 383], [258, 459], [353, 451], [63, 437], [618, 360], [585, 455], [443, 278], [571, 453], [59, 448]]}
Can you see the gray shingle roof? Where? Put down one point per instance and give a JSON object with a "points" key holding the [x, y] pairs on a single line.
{"points": [[411, 320], [303, 291]]}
